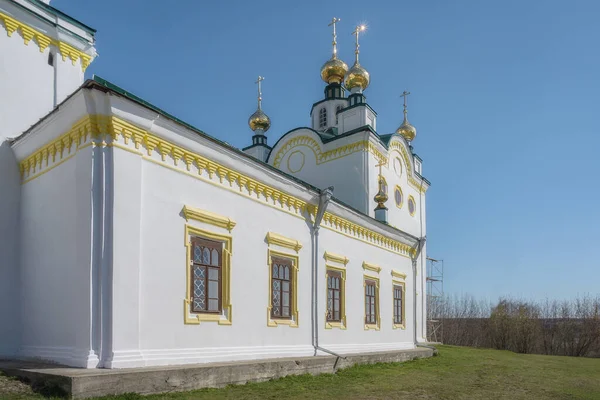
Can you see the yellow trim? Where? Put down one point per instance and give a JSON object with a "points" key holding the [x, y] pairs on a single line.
{"points": [[398, 274], [345, 150], [371, 267], [412, 181], [43, 41], [114, 132], [208, 217], [225, 318], [303, 160], [401, 197], [279, 240], [293, 322], [376, 326], [336, 258], [414, 208], [342, 324], [403, 324]]}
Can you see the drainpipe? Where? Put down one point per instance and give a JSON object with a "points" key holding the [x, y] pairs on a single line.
{"points": [[324, 199], [418, 254]]}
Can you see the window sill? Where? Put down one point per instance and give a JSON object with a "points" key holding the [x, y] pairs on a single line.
{"points": [[398, 326], [196, 318], [335, 324], [274, 322]]}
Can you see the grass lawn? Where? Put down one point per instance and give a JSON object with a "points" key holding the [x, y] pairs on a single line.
{"points": [[456, 373]]}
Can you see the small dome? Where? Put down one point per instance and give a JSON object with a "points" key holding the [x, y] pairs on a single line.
{"points": [[334, 70], [259, 120], [357, 77], [381, 197], [407, 130]]}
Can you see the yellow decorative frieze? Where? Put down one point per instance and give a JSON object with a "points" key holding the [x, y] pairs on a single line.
{"points": [[279, 240], [336, 258], [43, 41], [371, 267], [111, 131], [208, 217]]}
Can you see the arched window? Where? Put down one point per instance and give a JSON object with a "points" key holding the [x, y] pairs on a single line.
{"points": [[322, 118], [337, 110]]}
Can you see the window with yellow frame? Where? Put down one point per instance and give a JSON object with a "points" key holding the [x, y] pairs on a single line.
{"points": [[335, 310], [208, 272], [398, 296], [372, 318]]}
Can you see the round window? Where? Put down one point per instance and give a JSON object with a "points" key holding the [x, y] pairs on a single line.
{"points": [[398, 166], [398, 196], [411, 205]]}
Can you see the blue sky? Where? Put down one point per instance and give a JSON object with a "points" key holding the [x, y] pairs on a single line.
{"points": [[504, 98]]}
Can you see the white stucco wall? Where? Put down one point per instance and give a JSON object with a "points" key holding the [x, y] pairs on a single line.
{"points": [[10, 290], [30, 86]]}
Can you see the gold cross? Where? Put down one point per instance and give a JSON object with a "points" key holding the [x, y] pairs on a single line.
{"points": [[334, 21], [405, 95], [260, 79], [359, 28]]}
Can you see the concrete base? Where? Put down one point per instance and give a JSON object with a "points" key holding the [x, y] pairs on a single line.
{"points": [[84, 383]]}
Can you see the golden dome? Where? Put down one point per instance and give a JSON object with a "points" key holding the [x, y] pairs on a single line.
{"points": [[259, 120], [381, 197], [407, 130], [357, 77], [334, 70]]}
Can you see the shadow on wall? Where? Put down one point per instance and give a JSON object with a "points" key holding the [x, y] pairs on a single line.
{"points": [[10, 196]]}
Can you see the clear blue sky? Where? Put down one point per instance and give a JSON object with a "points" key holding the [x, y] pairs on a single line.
{"points": [[504, 97]]}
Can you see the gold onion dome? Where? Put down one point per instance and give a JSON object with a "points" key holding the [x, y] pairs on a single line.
{"points": [[334, 70], [357, 77], [259, 120], [381, 197], [407, 130]]}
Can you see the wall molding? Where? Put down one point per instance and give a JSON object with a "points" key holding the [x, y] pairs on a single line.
{"points": [[43, 41], [336, 258], [116, 133], [371, 267], [208, 218], [398, 274], [280, 240]]}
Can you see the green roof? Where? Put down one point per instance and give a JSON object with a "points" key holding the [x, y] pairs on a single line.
{"points": [[61, 14]]}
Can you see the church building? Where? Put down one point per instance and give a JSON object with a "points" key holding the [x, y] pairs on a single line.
{"points": [[131, 238]]}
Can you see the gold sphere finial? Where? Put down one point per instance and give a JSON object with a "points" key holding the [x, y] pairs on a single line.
{"points": [[334, 70], [406, 129], [357, 76], [259, 120]]}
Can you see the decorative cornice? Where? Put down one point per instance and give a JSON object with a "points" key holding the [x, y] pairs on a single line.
{"points": [[412, 181], [345, 150], [110, 131], [279, 240], [43, 41], [371, 267], [398, 274], [208, 217], [336, 258]]}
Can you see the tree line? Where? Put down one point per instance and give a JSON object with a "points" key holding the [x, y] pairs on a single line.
{"points": [[554, 327]]}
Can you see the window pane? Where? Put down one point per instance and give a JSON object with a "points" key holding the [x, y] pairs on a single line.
{"points": [[275, 271], [213, 274], [336, 315], [215, 257], [213, 289], [197, 254], [287, 273], [213, 305], [285, 286], [337, 283], [285, 296], [329, 282], [206, 256], [285, 311]]}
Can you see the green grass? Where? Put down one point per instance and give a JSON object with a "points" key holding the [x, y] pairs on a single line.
{"points": [[456, 373]]}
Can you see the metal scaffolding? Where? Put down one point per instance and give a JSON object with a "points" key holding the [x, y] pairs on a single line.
{"points": [[435, 299]]}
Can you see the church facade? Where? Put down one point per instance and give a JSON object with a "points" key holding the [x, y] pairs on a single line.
{"points": [[131, 238]]}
